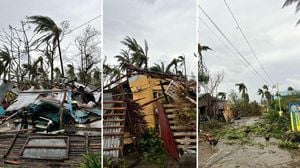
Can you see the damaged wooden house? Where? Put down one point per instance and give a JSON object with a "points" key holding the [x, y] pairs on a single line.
{"points": [[142, 100]]}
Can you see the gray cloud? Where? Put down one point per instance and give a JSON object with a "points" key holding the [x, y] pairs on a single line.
{"points": [[168, 26]]}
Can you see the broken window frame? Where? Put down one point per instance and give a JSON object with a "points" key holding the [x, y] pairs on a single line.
{"points": [[26, 146]]}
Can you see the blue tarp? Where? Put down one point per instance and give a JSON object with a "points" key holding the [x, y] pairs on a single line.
{"points": [[2, 111]]}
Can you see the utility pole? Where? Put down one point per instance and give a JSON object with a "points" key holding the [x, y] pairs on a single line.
{"points": [[280, 112]]}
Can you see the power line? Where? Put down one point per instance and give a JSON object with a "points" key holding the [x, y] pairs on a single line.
{"points": [[219, 38], [232, 45], [247, 41], [70, 31]]}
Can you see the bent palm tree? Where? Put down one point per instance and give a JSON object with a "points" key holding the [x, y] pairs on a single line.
{"points": [[51, 32], [6, 61], [242, 87], [124, 59], [290, 2], [290, 90], [71, 72], [160, 68], [222, 96], [139, 56], [181, 60], [174, 63], [202, 70], [243, 91]]}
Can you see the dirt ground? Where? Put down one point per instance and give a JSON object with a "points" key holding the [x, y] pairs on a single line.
{"points": [[260, 154]]}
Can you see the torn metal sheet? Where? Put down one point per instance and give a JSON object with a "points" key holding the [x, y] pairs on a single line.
{"points": [[80, 116], [23, 100]]}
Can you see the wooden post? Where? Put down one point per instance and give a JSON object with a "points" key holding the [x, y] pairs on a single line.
{"points": [[163, 90], [61, 110]]}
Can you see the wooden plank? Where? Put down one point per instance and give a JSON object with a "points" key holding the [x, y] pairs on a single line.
{"points": [[114, 120], [114, 114], [118, 126], [184, 141], [176, 134], [86, 143], [110, 149], [174, 122], [11, 146], [112, 102], [46, 146], [183, 127], [168, 106], [171, 116], [114, 134], [186, 147], [114, 108]]}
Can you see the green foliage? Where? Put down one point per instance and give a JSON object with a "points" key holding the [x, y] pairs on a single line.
{"points": [[213, 124], [246, 109], [240, 104], [235, 135], [185, 113], [288, 145], [152, 148], [90, 160], [292, 137], [114, 163]]}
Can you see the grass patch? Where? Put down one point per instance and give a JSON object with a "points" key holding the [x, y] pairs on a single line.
{"points": [[288, 145]]}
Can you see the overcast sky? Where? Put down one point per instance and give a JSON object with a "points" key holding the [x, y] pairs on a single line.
{"points": [[75, 11], [271, 32], [168, 26]]}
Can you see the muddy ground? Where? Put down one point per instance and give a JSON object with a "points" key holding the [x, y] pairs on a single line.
{"points": [[258, 154]]}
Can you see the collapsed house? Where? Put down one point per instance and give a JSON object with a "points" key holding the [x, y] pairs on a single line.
{"points": [[155, 93], [49, 128], [210, 107]]}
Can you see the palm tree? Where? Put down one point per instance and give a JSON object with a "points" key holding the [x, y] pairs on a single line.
{"points": [[200, 49], [138, 55], [71, 71], [97, 76], [50, 31], [174, 63], [222, 96], [202, 70], [261, 93], [290, 2], [34, 69], [161, 68], [290, 90], [242, 87], [57, 73], [265, 87], [124, 59], [6, 61], [2, 68], [181, 60], [243, 91], [265, 94]]}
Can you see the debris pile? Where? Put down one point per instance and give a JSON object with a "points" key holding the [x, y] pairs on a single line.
{"points": [[48, 110]]}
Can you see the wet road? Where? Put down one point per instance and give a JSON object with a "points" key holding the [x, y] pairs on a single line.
{"points": [[258, 154]]}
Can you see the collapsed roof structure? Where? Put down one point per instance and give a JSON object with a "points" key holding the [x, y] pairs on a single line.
{"points": [[49, 127], [155, 94]]}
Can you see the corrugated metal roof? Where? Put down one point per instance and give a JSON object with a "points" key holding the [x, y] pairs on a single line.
{"points": [[113, 128]]}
